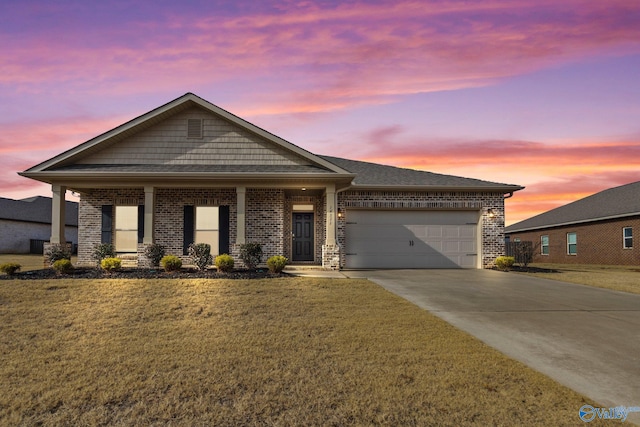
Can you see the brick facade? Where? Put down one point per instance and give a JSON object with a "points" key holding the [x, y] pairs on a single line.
{"points": [[269, 218], [492, 229], [597, 243]]}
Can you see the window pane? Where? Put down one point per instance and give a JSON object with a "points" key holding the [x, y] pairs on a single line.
{"points": [[572, 246], [628, 238], [127, 241], [206, 218], [126, 217], [210, 237]]}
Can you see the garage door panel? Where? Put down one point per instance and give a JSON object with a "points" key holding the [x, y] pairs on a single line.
{"points": [[411, 239]]}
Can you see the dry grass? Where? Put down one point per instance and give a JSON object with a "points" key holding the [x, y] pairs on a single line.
{"points": [[28, 262], [284, 352], [615, 277]]}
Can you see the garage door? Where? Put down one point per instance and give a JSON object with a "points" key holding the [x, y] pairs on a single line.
{"points": [[411, 239]]}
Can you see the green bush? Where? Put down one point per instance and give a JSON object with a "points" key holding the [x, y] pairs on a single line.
{"points": [[57, 252], [504, 263], [154, 252], [10, 268], [171, 263], [224, 263], [111, 264], [200, 254], [102, 251], [277, 263], [251, 254], [63, 266]]}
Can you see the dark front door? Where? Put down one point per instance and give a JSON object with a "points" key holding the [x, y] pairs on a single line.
{"points": [[303, 237]]}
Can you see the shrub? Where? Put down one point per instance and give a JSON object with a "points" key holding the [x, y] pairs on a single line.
{"points": [[109, 264], [224, 263], [63, 266], [102, 251], [251, 254], [154, 252], [57, 252], [200, 254], [171, 263], [10, 268], [277, 263], [504, 263]]}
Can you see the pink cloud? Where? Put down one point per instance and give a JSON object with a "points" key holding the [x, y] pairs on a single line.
{"points": [[334, 57]]}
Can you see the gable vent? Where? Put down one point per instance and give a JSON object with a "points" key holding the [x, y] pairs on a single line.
{"points": [[194, 128]]}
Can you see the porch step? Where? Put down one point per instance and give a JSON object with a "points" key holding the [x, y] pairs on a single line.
{"points": [[129, 260]]}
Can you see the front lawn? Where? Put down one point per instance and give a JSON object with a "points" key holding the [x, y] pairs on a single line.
{"points": [[615, 277], [286, 351]]}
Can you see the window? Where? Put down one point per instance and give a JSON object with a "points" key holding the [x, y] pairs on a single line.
{"points": [[544, 245], [572, 243], [207, 228], [627, 238], [126, 229]]}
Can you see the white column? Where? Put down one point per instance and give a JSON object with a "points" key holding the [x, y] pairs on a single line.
{"points": [[241, 193], [149, 199], [330, 215], [58, 206]]}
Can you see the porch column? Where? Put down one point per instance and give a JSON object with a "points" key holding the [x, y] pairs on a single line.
{"points": [[330, 215], [149, 200], [241, 193], [58, 206]]}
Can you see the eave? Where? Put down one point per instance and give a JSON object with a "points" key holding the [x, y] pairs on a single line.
{"points": [[503, 189], [570, 223]]}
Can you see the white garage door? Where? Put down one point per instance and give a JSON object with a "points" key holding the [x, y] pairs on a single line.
{"points": [[411, 239]]}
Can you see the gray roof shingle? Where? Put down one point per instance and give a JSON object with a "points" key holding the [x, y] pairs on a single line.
{"points": [[373, 174], [35, 209], [612, 203]]}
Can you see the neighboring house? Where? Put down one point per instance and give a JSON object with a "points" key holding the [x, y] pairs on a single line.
{"points": [[598, 229], [25, 223], [190, 171]]}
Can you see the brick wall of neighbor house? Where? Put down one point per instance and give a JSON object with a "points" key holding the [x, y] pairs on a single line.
{"points": [[597, 243], [492, 228]]}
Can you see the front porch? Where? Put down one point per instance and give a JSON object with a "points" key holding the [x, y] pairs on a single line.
{"points": [[299, 223]]}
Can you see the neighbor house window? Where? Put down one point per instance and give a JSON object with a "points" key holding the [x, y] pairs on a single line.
{"points": [[627, 238], [544, 245], [126, 229], [207, 227], [572, 243]]}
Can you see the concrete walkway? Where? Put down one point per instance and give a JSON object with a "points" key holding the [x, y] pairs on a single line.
{"points": [[583, 337]]}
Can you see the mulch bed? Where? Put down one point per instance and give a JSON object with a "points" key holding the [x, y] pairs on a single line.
{"points": [[141, 273], [529, 269]]}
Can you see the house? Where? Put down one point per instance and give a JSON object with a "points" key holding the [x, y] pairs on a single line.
{"points": [[25, 224], [598, 229], [190, 171]]}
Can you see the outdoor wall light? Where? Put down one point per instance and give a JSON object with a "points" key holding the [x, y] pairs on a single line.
{"points": [[491, 213], [340, 213]]}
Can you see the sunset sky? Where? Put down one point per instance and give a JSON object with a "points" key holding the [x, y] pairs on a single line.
{"points": [[544, 94]]}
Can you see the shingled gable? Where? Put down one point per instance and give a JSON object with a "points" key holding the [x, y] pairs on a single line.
{"points": [[125, 151]]}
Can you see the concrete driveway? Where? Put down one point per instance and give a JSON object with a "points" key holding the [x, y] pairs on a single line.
{"points": [[585, 338]]}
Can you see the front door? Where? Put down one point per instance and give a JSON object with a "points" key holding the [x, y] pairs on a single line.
{"points": [[303, 236]]}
